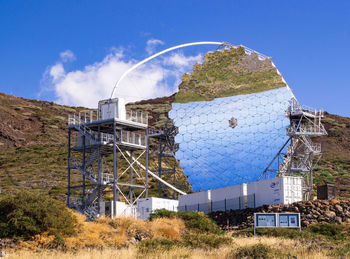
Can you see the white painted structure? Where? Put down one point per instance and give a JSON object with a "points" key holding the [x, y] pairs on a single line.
{"points": [[146, 206], [279, 190], [230, 192], [112, 108], [194, 198], [123, 209]]}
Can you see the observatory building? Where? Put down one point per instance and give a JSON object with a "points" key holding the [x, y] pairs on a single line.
{"points": [[234, 130]]}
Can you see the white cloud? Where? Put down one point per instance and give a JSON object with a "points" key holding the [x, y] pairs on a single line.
{"points": [[95, 82], [67, 56], [152, 44], [57, 71], [180, 60]]}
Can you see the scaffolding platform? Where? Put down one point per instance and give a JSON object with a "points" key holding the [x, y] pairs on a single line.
{"points": [[103, 148]]}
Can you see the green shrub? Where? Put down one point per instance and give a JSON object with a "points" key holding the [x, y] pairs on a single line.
{"points": [[163, 213], [205, 240], [27, 214], [331, 231], [195, 221], [325, 174], [258, 251], [283, 232], [155, 245]]}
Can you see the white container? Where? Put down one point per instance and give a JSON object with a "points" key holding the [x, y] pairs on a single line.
{"points": [[194, 198], [146, 206], [279, 190], [112, 108], [123, 209], [198, 201], [230, 192], [292, 189]]}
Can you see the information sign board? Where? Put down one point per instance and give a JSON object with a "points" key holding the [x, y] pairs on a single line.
{"points": [[272, 220], [266, 220]]}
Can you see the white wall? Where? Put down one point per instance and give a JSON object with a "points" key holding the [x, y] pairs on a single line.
{"points": [[194, 198], [112, 108], [125, 210], [146, 206], [230, 192], [279, 190], [267, 191], [292, 189]]}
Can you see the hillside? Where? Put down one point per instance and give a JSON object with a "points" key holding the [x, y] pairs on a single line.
{"points": [[33, 145], [226, 73], [33, 134]]}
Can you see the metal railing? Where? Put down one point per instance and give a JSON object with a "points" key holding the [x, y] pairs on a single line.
{"points": [[129, 137], [238, 203], [91, 116], [136, 116], [306, 129], [82, 117], [296, 108], [123, 137]]}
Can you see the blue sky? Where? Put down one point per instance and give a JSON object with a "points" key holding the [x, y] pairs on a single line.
{"points": [[308, 41]]}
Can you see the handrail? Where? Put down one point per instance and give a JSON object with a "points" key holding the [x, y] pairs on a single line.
{"points": [[83, 118]]}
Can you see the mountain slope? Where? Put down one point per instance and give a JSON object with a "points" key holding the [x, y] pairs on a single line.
{"points": [[33, 149]]}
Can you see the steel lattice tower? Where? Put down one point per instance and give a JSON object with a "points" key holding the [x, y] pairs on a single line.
{"points": [[106, 153]]}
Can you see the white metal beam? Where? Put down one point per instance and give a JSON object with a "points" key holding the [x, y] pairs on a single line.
{"points": [[158, 178]]}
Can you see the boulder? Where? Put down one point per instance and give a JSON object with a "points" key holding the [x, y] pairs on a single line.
{"points": [[338, 220], [329, 214], [338, 208]]}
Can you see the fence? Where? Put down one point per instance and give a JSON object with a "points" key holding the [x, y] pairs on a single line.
{"points": [[242, 202]]}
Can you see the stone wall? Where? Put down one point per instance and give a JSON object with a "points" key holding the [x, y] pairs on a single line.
{"points": [[311, 212]]}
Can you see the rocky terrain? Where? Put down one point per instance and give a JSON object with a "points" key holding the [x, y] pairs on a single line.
{"points": [[311, 212]]}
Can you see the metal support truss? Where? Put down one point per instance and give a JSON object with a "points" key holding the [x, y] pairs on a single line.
{"points": [[164, 147], [302, 153], [100, 166]]}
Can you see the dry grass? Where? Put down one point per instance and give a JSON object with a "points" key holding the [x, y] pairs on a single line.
{"points": [[287, 246], [180, 252], [117, 233], [106, 238], [168, 228]]}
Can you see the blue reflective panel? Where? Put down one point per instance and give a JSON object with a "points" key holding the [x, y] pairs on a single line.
{"points": [[213, 153]]}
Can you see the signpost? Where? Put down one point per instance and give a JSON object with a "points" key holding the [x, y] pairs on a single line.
{"points": [[275, 220]]}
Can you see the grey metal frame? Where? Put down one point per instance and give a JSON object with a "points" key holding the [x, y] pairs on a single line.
{"points": [[277, 220], [87, 157], [166, 155], [302, 152]]}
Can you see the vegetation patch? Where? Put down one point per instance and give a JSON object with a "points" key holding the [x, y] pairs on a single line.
{"points": [[194, 221], [27, 214], [153, 246], [258, 251], [206, 240]]}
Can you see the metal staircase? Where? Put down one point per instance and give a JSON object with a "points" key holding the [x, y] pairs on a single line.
{"points": [[91, 145], [305, 123], [302, 152]]}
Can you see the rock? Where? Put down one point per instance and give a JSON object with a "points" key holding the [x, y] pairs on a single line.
{"points": [[338, 220], [338, 208], [334, 202], [330, 214]]}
